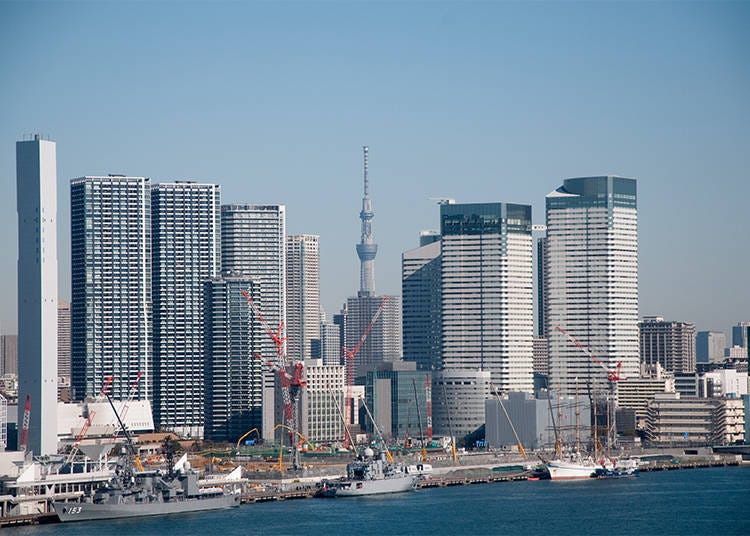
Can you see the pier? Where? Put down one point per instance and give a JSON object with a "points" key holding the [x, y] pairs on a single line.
{"points": [[458, 476]]}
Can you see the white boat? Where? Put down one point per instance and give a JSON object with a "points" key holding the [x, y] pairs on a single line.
{"points": [[370, 475], [573, 469]]}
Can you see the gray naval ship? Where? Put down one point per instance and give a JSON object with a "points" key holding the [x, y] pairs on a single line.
{"points": [[131, 493], [148, 493]]}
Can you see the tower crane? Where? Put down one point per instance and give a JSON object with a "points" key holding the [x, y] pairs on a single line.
{"points": [[614, 375], [290, 375], [25, 426], [349, 356]]}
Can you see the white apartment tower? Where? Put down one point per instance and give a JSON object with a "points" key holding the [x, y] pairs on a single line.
{"points": [[303, 294], [591, 279], [186, 240], [253, 242], [110, 228], [36, 204], [487, 292]]}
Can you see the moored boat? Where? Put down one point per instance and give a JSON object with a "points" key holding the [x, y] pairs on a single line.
{"points": [[577, 468], [370, 475]]}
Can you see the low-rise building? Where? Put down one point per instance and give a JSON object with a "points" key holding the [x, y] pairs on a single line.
{"points": [[673, 420], [635, 393], [458, 401], [533, 420]]}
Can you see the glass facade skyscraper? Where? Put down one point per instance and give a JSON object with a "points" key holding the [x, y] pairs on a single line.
{"points": [[591, 279], [186, 236], [111, 319], [420, 291]]}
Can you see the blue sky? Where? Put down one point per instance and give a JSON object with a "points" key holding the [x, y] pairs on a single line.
{"points": [[476, 101]]}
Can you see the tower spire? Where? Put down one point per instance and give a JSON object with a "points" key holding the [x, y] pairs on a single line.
{"points": [[366, 249]]}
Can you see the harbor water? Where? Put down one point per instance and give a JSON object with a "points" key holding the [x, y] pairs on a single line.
{"points": [[692, 502]]}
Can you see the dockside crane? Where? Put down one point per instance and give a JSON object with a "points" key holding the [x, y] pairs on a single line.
{"points": [[128, 438], [614, 375], [291, 376], [348, 357], [518, 439]]}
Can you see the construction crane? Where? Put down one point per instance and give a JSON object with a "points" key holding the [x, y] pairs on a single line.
{"points": [[349, 356], [126, 406], [86, 425], [25, 426], [614, 375], [129, 440], [291, 376], [419, 420]]}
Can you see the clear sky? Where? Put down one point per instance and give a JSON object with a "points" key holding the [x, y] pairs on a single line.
{"points": [[475, 101]]}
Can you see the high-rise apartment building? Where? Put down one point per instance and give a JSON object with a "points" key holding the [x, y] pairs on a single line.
{"points": [[233, 377], [186, 251], [709, 346], [302, 294], [111, 285], [420, 290], [36, 204], [384, 340], [487, 294], [591, 279], [669, 343], [253, 241]]}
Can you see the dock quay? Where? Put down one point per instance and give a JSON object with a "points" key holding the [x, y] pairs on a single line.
{"points": [[453, 476]]}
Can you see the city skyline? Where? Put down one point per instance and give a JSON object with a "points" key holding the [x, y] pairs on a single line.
{"points": [[488, 114]]}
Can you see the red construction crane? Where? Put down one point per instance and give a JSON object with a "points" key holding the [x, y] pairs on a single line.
{"points": [[86, 424], [428, 397], [613, 375], [291, 376], [349, 356], [25, 427]]}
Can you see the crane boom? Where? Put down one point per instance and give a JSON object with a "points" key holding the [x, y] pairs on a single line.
{"points": [[25, 427]]}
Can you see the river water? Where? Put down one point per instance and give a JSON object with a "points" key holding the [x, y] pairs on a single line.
{"points": [[692, 502]]}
